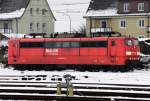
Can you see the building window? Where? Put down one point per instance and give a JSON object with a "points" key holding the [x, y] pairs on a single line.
{"points": [[37, 25], [140, 6], [141, 23], [44, 27], [31, 27], [31, 11], [44, 11], [103, 24], [6, 30], [126, 7], [123, 23], [37, 11]]}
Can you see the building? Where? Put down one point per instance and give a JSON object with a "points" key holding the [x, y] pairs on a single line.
{"points": [[26, 16], [128, 17]]}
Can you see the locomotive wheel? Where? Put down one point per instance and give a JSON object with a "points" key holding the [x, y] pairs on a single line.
{"points": [[82, 68]]}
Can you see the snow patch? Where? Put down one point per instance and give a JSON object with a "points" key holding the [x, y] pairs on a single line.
{"points": [[110, 12], [14, 14], [105, 12]]}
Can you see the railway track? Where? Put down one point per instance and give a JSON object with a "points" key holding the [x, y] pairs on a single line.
{"points": [[12, 87]]}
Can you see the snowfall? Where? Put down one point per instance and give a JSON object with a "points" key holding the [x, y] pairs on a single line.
{"points": [[76, 9]]}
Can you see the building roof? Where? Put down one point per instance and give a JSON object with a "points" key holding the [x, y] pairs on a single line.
{"points": [[7, 6], [10, 9], [106, 9], [102, 4], [102, 8]]}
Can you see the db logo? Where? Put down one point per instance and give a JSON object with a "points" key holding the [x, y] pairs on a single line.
{"points": [[52, 51]]}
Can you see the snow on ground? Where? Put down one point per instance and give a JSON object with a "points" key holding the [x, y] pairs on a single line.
{"points": [[76, 9], [136, 77], [63, 9]]}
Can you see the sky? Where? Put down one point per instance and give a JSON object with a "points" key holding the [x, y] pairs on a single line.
{"points": [[66, 11]]}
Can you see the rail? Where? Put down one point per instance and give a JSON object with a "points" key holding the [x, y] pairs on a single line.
{"points": [[13, 87]]}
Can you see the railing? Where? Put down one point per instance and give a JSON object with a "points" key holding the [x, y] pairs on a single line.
{"points": [[7, 31], [108, 29]]}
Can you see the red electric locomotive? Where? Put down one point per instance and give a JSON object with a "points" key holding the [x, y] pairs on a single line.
{"points": [[97, 52]]}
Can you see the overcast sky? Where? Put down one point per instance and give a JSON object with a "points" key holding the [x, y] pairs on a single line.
{"points": [[63, 9]]}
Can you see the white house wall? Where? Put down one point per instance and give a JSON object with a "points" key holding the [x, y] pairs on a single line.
{"points": [[27, 18]]}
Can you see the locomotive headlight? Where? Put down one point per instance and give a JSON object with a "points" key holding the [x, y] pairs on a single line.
{"points": [[138, 53], [128, 53]]}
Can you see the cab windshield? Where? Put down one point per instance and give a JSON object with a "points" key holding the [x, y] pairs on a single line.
{"points": [[132, 42], [128, 42], [136, 42]]}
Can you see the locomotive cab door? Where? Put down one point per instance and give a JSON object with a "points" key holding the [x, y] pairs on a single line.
{"points": [[112, 48], [112, 51], [15, 51]]}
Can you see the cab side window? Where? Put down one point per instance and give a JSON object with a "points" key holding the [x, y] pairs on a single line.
{"points": [[128, 42], [113, 43]]}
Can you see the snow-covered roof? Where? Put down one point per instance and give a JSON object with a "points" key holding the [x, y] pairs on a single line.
{"points": [[102, 8], [102, 4], [105, 12], [107, 8], [110, 12], [11, 15], [10, 9]]}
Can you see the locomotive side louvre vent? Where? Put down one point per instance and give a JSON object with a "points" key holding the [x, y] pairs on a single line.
{"points": [[63, 44], [31, 45]]}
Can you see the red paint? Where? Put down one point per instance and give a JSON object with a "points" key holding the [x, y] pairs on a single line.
{"points": [[113, 54]]}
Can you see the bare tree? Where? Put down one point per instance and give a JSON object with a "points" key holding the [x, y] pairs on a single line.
{"points": [[81, 29]]}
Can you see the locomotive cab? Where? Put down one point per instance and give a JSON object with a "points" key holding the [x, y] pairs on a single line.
{"points": [[13, 52], [123, 51], [132, 51]]}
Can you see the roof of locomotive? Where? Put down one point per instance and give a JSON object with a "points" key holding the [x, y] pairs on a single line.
{"points": [[69, 39]]}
